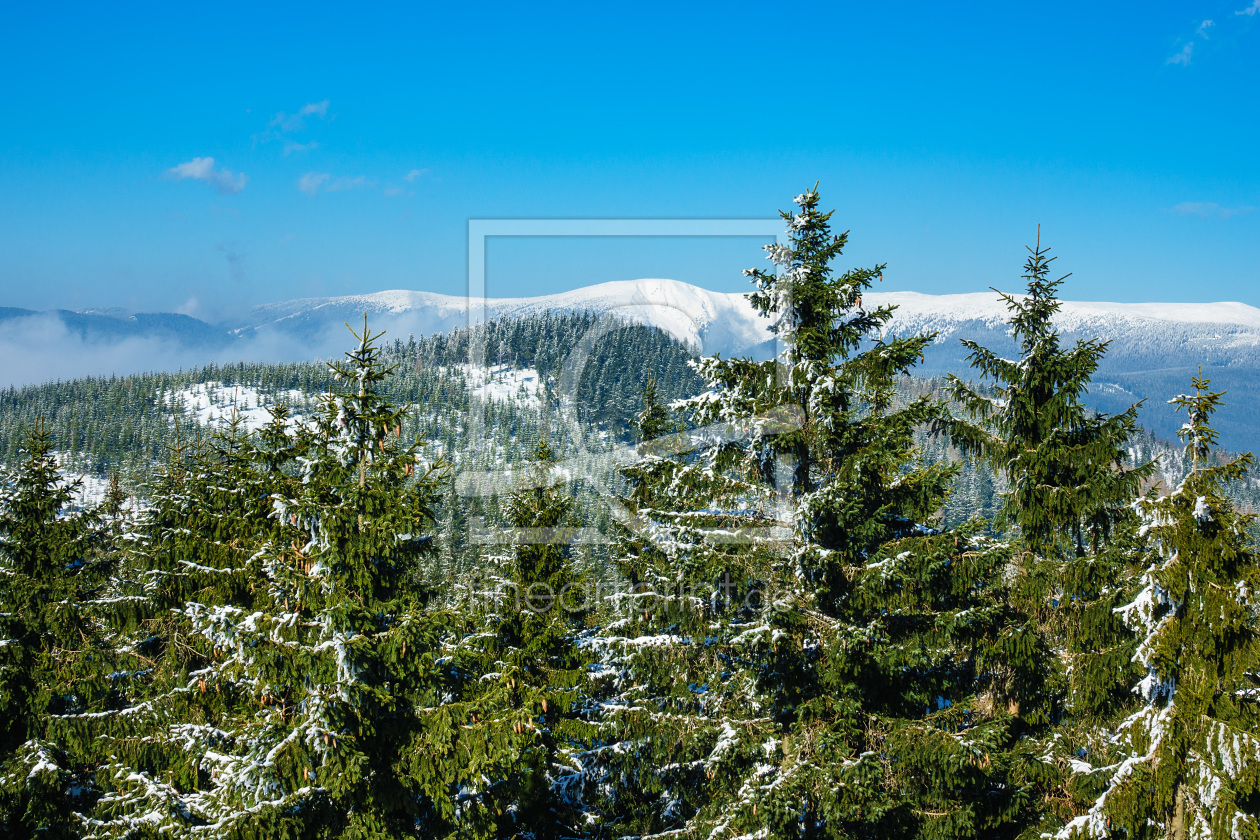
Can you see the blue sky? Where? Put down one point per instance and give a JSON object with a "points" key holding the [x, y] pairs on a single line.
{"points": [[350, 147]]}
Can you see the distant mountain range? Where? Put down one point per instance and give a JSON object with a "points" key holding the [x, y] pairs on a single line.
{"points": [[106, 325], [711, 322], [1155, 347]]}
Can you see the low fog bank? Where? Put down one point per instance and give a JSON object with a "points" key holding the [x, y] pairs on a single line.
{"points": [[1146, 365], [41, 348]]}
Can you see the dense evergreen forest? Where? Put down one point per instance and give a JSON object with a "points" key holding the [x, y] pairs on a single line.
{"points": [[129, 425], [817, 598], [125, 423]]}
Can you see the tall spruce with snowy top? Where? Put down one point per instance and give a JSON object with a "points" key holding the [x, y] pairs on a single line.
{"points": [[1071, 488], [1186, 763], [893, 657], [55, 657], [297, 702], [817, 660], [1066, 465]]}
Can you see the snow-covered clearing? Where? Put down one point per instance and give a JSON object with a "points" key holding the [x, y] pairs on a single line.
{"points": [[504, 383], [213, 403], [91, 490]]}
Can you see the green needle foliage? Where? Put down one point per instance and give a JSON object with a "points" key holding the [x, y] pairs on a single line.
{"points": [[56, 662], [899, 671], [1066, 466], [1187, 762], [1070, 504], [1071, 490], [800, 654], [197, 543], [289, 705], [519, 675]]}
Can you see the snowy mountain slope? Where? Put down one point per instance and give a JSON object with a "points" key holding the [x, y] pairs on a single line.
{"points": [[915, 308], [710, 321], [726, 322], [1155, 347], [1154, 350]]}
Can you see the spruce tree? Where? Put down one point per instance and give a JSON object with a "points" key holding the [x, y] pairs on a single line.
{"points": [[293, 710], [894, 670], [519, 685], [55, 662], [198, 542], [1069, 482], [673, 685], [655, 420], [1187, 762], [814, 658], [1070, 491]]}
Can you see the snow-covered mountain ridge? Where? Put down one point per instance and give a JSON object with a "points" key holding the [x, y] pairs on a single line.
{"points": [[1154, 350], [1155, 347], [712, 321], [726, 322], [991, 309]]}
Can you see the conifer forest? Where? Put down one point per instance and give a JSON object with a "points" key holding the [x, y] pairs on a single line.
{"points": [[450, 586]]}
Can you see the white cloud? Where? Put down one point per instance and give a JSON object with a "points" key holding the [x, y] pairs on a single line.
{"points": [[285, 123], [1210, 209], [343, 183], [314, 182], [40, 348], [318, 108], [392, 191], [202, 169], [310, 182], [1186, 53], [290, 146], [411, 176], [1182, 57]]}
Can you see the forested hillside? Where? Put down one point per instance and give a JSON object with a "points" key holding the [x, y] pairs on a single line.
{"points": [[127, 423], [546, 579], [130, 424]]}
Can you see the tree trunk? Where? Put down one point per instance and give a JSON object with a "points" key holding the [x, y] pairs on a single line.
{"points": [[1177, 829]]}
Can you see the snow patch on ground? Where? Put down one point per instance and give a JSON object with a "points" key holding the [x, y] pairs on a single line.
{"points": [[91, 490], [503, 383], [212, 404]]}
